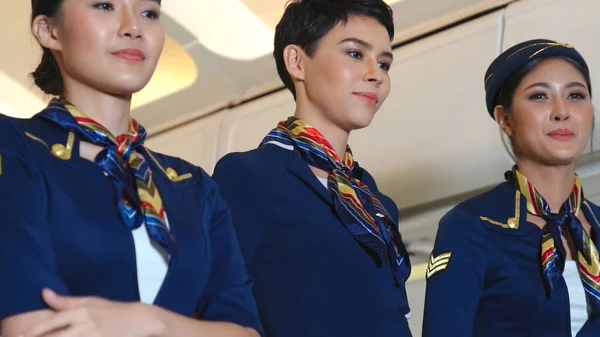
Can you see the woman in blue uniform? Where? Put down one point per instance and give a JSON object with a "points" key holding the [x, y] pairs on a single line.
{"points": [[320, 241], [101, 236], [522, 259]]}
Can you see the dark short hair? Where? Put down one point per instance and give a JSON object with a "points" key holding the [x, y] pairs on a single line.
{"points": [[305, 22]]}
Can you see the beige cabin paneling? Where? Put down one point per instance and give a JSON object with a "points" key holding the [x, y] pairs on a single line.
{"points": [[244, 127], [194, 142]]}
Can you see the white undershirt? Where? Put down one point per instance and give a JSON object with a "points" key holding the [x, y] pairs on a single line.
{"points": [[578, 303], [323, 181], [152, 263]]}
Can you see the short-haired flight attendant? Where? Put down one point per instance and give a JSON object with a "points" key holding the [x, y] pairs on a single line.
{"points": [[522, 258], [320, 241], [101, 236]]}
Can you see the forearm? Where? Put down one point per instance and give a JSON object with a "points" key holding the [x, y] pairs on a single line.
{"points": [[173, 324], [15, 325]]}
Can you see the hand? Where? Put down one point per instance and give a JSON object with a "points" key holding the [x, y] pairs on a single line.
{"points": [[92, 316]]}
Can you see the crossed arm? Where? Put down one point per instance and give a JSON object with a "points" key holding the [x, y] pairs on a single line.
{"points": [[26, 255], [90, 316]]}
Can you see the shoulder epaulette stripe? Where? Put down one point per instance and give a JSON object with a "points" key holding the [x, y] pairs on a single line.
{"points": [[169, 172], [437, 263]]}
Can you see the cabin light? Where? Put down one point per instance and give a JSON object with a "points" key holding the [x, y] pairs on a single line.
{"points": [[226, 27], [229, 28]]}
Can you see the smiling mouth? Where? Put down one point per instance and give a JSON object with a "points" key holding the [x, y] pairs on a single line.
{"points": [[130, 55], [369, 98], [561, 135]]}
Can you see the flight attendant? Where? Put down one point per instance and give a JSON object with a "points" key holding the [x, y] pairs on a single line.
{"points": [[522, 258], [319, 239], [100, 235]]}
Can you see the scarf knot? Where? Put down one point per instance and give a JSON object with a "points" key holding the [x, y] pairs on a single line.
{"points": [[358, 208], [563, 223], [139, 200]]}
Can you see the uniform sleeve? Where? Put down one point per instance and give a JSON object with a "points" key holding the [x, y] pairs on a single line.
{"points": [[229, 289], [455, 276], [27, 259], [241, 192]]}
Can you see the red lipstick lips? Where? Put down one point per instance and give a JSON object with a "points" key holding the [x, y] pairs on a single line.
{"points": [[368, 97], [561, 135], [130, 54]]}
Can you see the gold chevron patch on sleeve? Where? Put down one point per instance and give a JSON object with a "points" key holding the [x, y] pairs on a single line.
{"points": [[437, 263]]}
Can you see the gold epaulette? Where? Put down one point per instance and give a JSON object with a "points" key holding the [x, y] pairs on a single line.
{"points": [[61, 151], [511, 223]]}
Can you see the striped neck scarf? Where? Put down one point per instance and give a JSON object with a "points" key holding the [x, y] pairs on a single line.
{"points": [[563, 223], [139, 199], [360, 210]]}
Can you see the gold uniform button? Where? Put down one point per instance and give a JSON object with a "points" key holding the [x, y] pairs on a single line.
{"points": [[171, 173], [512, 223], [59, 151]]}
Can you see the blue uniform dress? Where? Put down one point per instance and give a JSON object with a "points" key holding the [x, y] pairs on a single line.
{"points": [[61, 228], [484, 276], [311, 276]]}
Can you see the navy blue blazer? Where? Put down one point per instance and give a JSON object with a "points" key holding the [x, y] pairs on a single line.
{"points": [[61, 229], [484, 276], [310, 276]]}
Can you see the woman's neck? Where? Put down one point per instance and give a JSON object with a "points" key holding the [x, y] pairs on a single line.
{"points": [[111, 111], [554, 183], [336, 136]]}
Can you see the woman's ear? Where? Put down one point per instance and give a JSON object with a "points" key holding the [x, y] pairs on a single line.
{"points": [[293, 56], [44, 29], [504, 121]]}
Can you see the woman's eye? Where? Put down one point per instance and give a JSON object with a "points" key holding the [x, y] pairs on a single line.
{"points": [[104, 6], [577, 95], [538, 96], [355, 54], [151, 14], [385, 66]]}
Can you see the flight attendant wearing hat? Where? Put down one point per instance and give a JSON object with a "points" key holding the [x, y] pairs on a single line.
{"points": [[522, 258]]}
